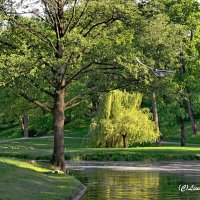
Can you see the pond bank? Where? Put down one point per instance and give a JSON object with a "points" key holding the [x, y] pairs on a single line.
{"points": [[78, 193]]}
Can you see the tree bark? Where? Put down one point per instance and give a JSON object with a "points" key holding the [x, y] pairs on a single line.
{"points": [[125, 144], [192, 117], [183, 133], [58, 158], [25, 124], [190, 110], [182, 118], [155, 117]]}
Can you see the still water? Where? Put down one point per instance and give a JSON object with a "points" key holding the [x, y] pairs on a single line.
{"points": [[107, 184]]}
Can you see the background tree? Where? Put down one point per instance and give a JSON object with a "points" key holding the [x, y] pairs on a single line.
{"points": [[54, 50], [186, 13], [157, 41], [12, 109], [120, 121]]}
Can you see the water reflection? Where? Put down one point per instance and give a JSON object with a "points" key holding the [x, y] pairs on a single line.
{"points": [[106, 184]]}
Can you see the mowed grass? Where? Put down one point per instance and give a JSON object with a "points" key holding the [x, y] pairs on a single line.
{"points": [[22, 180], [79, 132], [76, 149]]}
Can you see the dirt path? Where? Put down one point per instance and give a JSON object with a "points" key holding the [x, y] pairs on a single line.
{"points": [[178, 144], [80, 138], [34, 138]]}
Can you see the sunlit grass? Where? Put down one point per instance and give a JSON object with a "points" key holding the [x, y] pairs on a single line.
{"points": [[25, 181], [38, 167]]}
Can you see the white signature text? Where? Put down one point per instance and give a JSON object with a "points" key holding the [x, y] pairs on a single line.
{"points": [[184, 188]]}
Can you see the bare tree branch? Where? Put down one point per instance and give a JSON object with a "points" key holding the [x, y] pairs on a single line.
{"points": [[72, 17], [41, 105], [73, 105], [49, 10], [77, 74], [72, 99], [8, 44], [65, 70], [78, 96], [79, 19], [38, 34], [100, 23], [40, 88]]}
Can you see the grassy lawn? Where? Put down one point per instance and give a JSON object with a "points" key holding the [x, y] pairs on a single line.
{"points": [[76, 149], [13, 131], [22, 180], [81, 131]]}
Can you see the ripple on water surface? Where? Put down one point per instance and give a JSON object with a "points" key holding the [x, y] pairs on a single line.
{"points": [[107, 184]]}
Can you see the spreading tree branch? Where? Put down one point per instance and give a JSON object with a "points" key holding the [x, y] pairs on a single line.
{"points": [[38, 34], [72, 17], [79, 19], [36, 102], [77, 74], [40, 88], [73, 105], [112, 19], [8, 44]]}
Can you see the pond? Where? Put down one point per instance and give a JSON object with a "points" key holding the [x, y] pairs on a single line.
{"points": [[122, 184]]}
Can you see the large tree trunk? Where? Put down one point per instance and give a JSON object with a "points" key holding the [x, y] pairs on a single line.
{"points": [[192, 117], [58, 158], [25, 124], [155, 117]]}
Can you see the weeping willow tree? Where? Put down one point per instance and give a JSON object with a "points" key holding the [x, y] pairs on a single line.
{"points": [[120, 121]]}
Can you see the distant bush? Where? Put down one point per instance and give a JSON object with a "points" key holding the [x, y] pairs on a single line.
{"points": [[40, 125]]}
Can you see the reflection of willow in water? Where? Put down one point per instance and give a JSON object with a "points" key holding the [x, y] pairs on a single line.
{"points": [[104, 184], [120, 185], [136, 186]]}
